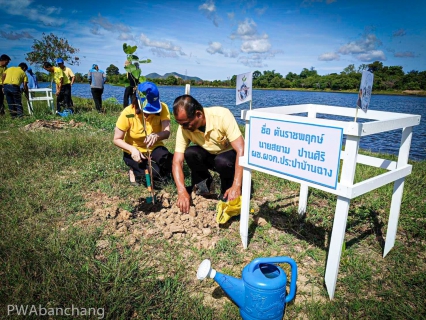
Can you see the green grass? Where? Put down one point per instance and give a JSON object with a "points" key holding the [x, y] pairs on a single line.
{"points": [[48, 259]]}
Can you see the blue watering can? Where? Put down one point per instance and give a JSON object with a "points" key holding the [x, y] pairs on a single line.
{"points": [[261, 293]]}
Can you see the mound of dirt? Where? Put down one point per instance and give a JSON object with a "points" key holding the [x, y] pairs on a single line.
{"points": [[53, 124], [161, 219]]}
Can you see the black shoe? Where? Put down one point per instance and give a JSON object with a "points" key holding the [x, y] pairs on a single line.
{"points": [[203, 188]]}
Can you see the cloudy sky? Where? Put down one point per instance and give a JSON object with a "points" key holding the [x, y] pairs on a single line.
{"points": [[215, 39]]}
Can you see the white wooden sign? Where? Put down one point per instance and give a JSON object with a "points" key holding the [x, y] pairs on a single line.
{"points": [[244, 87], [308, 152]]}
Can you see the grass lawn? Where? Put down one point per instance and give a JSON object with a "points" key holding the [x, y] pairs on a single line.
{"points": [[53, 181]]}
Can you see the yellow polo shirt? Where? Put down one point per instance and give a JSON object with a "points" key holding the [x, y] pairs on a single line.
{"points": [[68, 72], [15, 75], [132, 124], [221, 130], [58, 74], [2, 70]]}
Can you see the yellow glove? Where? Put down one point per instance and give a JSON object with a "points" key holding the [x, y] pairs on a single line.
{"points": [[226, 210]]}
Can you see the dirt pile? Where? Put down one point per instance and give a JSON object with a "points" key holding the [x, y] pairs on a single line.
{"points": [[53, 124]]}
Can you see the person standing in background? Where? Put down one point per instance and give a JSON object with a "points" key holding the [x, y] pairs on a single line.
{"points": [[97, 79], [68, 72], [4, 61], [12, 78], [32, 79], [63, 87], [130, 91]]}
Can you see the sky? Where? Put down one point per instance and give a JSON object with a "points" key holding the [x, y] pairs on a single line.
{"points": [[215, 39]]}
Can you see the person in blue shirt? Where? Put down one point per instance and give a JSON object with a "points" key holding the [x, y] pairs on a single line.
{"points": [[97, 79], [32, 79]]}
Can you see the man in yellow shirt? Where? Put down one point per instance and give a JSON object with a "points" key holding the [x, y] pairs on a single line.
{"points": [[218, 146], [63, 87], [68, 72], [4, 61], [12, 79]]}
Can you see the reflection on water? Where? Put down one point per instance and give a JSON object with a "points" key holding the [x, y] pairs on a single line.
{"points": [[387, 142]]}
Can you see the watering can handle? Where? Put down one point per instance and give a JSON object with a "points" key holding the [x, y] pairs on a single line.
{"points": [[255, 263]]}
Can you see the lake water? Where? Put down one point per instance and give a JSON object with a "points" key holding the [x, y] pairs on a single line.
{"points": [[387, 142]]}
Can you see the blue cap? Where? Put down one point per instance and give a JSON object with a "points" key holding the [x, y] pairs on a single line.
{"points": [[59, 60], [149, 97], [29, 69], [94, 65]]}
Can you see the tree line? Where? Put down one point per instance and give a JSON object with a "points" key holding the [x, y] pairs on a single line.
{"points": [[386, 78]]}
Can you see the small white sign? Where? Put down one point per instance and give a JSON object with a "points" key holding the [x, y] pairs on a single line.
{"points": [[365, 89], [304, 151], [244, 87]]}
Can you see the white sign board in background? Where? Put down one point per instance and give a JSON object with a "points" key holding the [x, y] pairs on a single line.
{"points": [[308, 152], [244, 87], [365, 90]]}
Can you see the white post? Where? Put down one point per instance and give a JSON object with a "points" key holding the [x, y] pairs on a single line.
{"points": [[245, 206], [187, 88], [303, 194], [398, 189], [341, 215]]}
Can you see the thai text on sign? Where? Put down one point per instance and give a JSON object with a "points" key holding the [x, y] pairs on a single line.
{"points": [[304, 151]]}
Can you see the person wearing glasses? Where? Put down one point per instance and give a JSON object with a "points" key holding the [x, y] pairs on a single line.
{"points": [[217, 145], [140, 131]]}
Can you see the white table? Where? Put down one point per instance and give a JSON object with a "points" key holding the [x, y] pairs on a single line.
{"points": [[345, 189]]}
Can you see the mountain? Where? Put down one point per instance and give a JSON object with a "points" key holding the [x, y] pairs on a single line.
{"points": [[174, 74]]}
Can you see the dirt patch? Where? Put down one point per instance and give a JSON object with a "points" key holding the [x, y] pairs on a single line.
{"points": [[53, 124]]}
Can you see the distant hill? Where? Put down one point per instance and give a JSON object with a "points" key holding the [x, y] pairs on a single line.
{"points": [[174, 74]]}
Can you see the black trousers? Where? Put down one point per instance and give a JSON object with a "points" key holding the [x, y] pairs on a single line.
{"points": [[200, 161], [64, 97], [1, 100], [161, 161], [97, 97], [128, 94]]}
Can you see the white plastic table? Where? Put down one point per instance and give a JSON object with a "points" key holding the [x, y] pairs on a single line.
{"points": [[258, 157]]}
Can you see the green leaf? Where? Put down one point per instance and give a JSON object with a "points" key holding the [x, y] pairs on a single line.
{"points": [[142, 79], [145, 61], [129, 49], [130, 68], [134, 58], [136, 73]]}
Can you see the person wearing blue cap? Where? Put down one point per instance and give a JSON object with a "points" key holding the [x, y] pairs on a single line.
{"points": [[140, 131], [97, 79]]}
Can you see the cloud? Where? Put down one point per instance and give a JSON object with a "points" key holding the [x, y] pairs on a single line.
{"points": [[37, 13], [261, 11], [163, 53], [406, 54], [215, 47], [372, 55], [367, 43], [246, 30], [232, 54], [112, 27], [161, 47], [125, 36], [15, 35], [231, 15], [329, 56], [256, 46], [252, 61], [209, 9], [399, 33]]}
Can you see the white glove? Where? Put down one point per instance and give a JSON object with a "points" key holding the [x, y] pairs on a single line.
{"points": [[151, 139]]}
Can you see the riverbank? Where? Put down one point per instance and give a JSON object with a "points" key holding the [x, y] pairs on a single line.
{"points": [[76, 232]]}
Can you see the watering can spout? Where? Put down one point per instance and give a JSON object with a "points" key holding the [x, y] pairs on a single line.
{"points": [[233, 287]]}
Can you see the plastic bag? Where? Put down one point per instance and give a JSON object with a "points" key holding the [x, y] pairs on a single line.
{"points": [[226, 210]]}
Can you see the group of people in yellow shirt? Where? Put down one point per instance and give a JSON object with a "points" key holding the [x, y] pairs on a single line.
{"points": [[217, 144]]}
